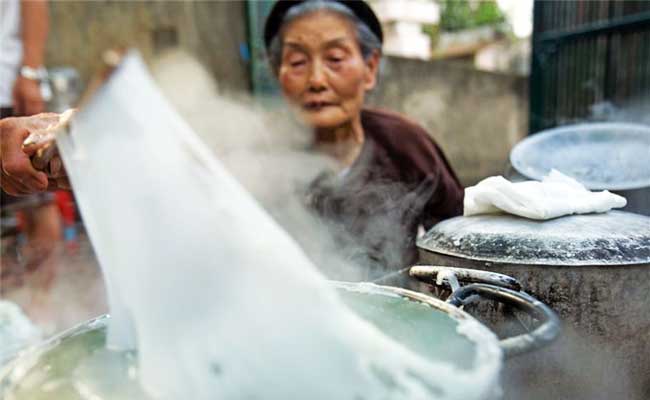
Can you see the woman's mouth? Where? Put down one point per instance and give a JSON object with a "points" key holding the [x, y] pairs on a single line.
{"points": [[316, 105]]}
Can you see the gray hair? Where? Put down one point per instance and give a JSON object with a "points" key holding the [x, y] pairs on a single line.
{"points": [[368, 41]]}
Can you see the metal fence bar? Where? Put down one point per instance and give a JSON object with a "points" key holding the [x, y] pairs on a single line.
{"points": [[587, 53]]}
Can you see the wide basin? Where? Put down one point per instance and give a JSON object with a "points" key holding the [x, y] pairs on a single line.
{"points": [[76, 364]]}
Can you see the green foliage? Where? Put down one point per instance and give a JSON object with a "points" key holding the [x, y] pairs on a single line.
{"points": [[488, 13], [433, 31], [457, 15]]}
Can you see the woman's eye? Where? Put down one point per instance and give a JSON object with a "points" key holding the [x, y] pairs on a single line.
{"points": [[297, 63], [335, 56]]}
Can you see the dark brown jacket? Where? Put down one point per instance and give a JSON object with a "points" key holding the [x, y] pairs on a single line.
{"points": [[400, 181]]}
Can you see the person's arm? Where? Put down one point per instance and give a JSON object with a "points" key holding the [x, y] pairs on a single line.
{"points": [[443, 193], [446, 200], [421, 163], [34, 24]]}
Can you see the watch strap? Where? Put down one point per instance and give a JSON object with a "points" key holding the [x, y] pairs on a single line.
{"points": [[35, 74]]}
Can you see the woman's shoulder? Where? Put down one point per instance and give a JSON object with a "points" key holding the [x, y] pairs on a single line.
{"points": [[407, 143], [379, 121], [398, 134]]}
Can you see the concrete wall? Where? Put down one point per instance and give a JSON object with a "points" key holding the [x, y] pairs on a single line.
{"points": [[211, 30], [475, 116]]}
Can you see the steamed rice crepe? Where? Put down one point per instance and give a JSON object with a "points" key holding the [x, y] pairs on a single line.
{"points": [[217, 299]]}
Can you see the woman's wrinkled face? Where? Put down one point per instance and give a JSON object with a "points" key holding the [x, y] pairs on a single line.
{"points": [[322, 72]]}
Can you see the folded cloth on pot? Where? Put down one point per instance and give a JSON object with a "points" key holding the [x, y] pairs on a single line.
{"points": [[556, 195]]}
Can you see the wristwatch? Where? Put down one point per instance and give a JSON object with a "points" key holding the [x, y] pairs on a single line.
{"points": [[39, 75], [35, 74]]}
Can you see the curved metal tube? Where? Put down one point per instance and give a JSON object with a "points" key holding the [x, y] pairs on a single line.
{"points": [[543, 335], [429, 274]]}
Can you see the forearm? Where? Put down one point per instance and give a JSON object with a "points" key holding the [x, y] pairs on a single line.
{"points": [[34, 28], [445, 201]]}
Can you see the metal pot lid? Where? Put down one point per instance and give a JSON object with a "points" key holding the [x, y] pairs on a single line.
{"points": [[614, 238], [611, 156]]}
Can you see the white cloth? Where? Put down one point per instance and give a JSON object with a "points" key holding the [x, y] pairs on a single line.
{"points": [[11, 49], [556, 195]]}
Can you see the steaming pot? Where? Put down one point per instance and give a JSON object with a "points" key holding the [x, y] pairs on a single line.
{"points": [[602, 156], [594, 270], [75, 365]]}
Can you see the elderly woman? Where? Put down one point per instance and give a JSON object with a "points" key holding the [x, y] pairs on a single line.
{"points": [[393, 177]]}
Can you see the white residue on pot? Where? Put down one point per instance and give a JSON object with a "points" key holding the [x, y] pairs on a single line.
{"points": [[613, 238]]}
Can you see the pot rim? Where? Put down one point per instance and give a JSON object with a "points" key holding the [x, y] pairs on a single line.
{"points": [[488, 353]]}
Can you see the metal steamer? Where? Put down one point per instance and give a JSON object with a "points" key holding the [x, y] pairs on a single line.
{"points": [[594, 270]]}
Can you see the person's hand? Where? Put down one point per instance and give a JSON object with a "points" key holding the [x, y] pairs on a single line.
{"points": [[19, 176], [27, 97]]}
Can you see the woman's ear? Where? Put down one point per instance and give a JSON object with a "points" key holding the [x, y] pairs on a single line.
{"points": [[372, 66]]}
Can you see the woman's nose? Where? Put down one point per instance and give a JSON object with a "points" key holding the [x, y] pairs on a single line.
{"points": [[317, 78]]}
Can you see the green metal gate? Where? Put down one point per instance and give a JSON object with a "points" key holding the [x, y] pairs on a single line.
{"points": [[587, 53]]}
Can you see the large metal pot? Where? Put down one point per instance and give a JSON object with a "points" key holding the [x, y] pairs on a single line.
{"points": [[76, 365], [594, 270]]}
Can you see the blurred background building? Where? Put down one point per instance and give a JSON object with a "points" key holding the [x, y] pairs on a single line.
{"points": [[491, 35], [404, 23], [459, 67]]}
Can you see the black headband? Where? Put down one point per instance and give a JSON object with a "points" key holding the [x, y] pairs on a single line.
{"points": [[358, 7]]}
